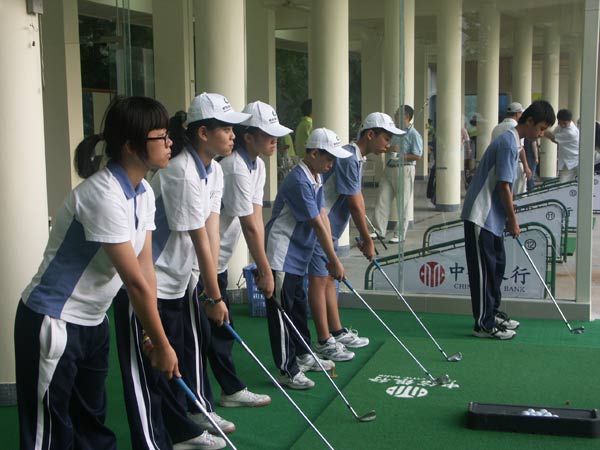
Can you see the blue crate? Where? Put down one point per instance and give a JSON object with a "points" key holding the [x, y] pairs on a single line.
{"points": [[256, 300]]}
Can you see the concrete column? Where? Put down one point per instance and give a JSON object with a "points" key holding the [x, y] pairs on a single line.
{"points": [[522, 62], [488, 73], [408, 42], [421, 114], [260, 76], [575, 77], [329, 71], [172, 25], [221, 67], [391, 71], [221, 49], [449, 32], [550, 77], [24, 224], [63, 116]]}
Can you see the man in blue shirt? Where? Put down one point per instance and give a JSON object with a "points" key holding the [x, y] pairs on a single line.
{"points": [[488, 211]]}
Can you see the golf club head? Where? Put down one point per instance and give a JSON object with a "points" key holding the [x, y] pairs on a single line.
{"points": [[368, 417], [578, 330], [455, 357], [444, 379]]}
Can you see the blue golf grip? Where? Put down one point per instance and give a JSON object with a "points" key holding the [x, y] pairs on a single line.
{"points": [[519, 241], [376, 264], [186, 389], [347, 283], [233, 332]]}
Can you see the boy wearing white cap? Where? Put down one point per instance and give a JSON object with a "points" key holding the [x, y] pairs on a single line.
{"points": [[244, 181], [188, 200], [298, 220], [343, 198]]}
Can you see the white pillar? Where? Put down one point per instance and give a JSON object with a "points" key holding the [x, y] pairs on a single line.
{"points": [[221, 68], [408, 42], [550, 77], [522, 62], [448, 105], [24, 224], [329, 71], [421, 110], [260, 46], [172, 27], [488, 67], [391, 72], [63, 115], [221, 49], [575, 77]]}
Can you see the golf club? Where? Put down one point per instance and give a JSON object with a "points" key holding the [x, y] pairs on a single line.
{"points": [[376, 232], [455, 357], [255, 358], [203, 410], [577, 330], [439, 380], [367, 417]]}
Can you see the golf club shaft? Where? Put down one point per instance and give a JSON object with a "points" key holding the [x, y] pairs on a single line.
{"points": [[255, 358], [409, 308], [347, 283], [291, 324], [203, 410], [376, 232], [543, 282]]}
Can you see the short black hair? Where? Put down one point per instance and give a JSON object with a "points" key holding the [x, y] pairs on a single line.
{"points": [[539, 111], [564, 114], [377, 131], [306, 107], [409, 111]]}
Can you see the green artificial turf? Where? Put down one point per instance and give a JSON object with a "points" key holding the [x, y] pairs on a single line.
{"points": [[543, 366]]}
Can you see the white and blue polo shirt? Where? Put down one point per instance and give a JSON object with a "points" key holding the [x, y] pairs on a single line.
{"points": [[243, 186], [186, 193], [77, 281], [344, 179], [499, 163], [289, 235]]}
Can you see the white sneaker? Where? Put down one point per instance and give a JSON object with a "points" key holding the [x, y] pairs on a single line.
{"points": [[333, 350], [307, 363], [225, 425], [502, 320], [373, 235], [298, 381], [495, 333], [205, 441], [394, 239], [351, 339], [244, 398]]}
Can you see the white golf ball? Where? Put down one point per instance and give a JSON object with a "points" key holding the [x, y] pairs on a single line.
{"points": [[525, 413]]}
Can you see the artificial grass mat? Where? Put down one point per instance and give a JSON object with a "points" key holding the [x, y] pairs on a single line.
{"points": [[543, 366]]}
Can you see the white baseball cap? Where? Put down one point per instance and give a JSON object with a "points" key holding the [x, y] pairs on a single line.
{"points": [[514, 107], [327, 140], [380, 120], [263, 116], [213, 106]]}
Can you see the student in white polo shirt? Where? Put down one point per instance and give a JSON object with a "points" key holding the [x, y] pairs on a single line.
{"points": [[298, 220], [100, 240], [188, 198], [343, 198], [244, 181]]}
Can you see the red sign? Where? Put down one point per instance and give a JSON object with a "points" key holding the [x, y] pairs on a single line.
{"points": [[432, 274]]}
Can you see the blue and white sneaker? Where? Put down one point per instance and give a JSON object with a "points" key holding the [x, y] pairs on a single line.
{"points": [[351, 339]]}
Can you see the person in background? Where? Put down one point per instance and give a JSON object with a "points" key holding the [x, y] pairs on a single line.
{"points": [[566, 136], [304, 128]]}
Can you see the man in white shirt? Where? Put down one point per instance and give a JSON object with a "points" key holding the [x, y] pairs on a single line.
{"points": [[566, 136]]}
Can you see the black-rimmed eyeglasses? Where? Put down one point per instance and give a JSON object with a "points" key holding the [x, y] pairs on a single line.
{"points": [[163, 138]]}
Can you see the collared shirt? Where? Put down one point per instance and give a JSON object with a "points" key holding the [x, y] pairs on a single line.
{"points": [[410, 143], [507, 124], [76, 280], [344, 179], [187, 192], [244, 182], [482, 204], [568, 146], [289, 235]]}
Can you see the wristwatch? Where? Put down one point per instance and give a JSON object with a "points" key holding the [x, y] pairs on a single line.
{"points": [[211, 301]]}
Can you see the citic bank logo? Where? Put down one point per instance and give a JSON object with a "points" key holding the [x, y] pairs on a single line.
{"points": [[432, 274]]}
